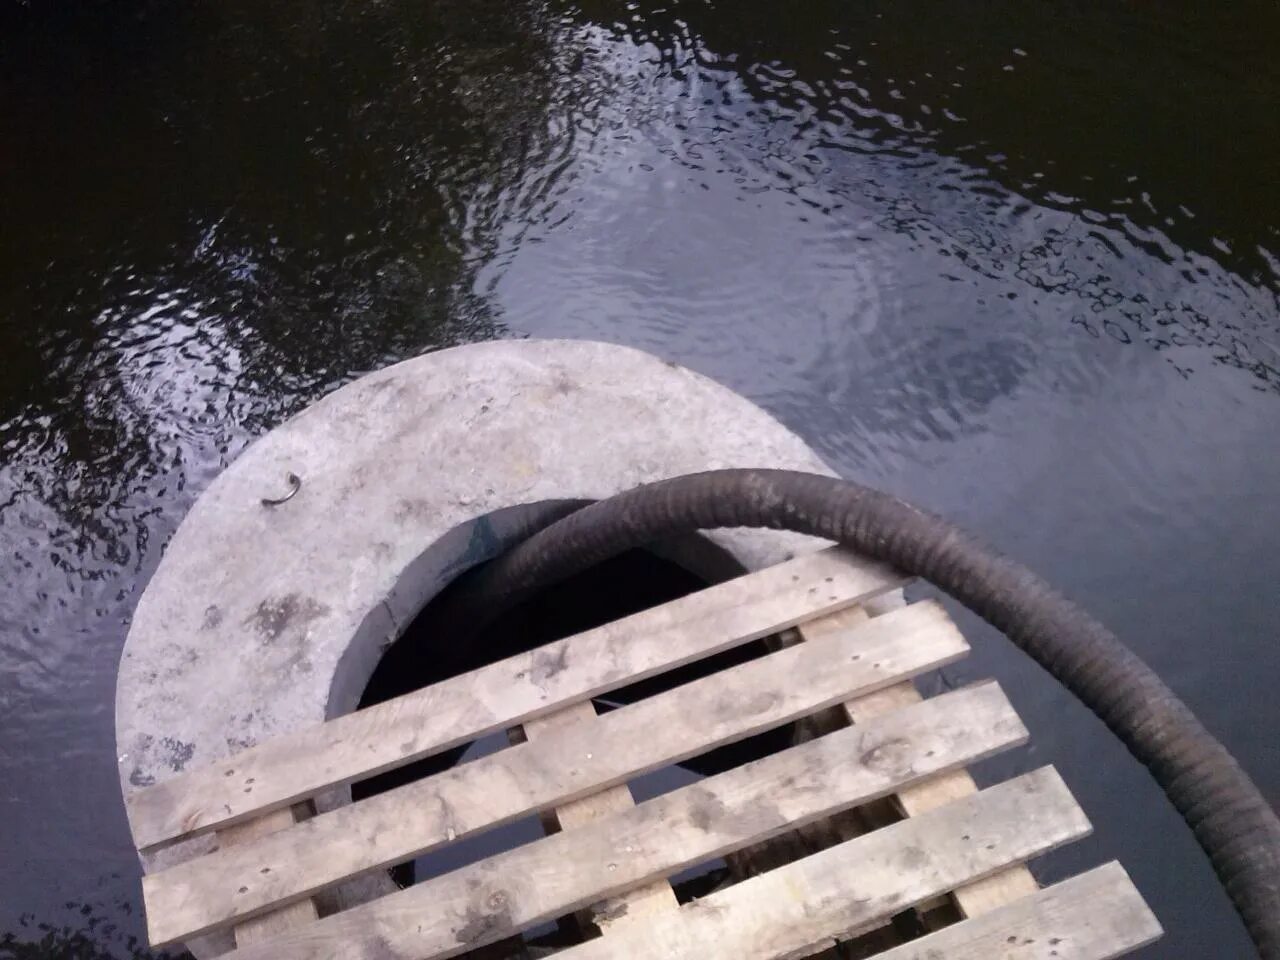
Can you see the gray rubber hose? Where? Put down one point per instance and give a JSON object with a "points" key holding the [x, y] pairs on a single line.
{"points": [[1234, 824]]}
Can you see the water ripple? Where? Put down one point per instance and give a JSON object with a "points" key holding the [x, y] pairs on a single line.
{"points": [[1019, 263]]}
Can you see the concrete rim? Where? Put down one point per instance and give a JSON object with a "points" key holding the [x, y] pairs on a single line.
{"points": [[260, 620]]}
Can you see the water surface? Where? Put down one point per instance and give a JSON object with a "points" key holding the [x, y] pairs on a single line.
{"points": [[1019, 265]]}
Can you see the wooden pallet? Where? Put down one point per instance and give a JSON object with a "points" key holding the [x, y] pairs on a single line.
{"points": [[885, 784]]}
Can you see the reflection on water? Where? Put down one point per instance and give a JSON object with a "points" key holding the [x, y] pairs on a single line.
{"points": [[1021, 266]]}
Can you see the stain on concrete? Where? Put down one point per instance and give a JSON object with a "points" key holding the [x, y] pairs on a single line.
{"points": [[416, 509], [181, 662], [274, 615], [176, 753], [212, 617], [140, 779]]}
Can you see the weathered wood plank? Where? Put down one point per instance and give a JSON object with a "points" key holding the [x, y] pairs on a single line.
{"points": [[633, 905], [861, 882], [1098, 915], [491, 899], [227, 885], [268, 925], [285, 769], [973, 899]]}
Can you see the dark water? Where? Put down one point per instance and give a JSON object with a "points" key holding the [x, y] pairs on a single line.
{"points": [[1020, 265]]}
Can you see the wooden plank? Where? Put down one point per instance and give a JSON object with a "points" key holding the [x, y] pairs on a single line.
{"points": [[973, 899], [227, 885], [1098, 915], [262, 928], [633, 905], [862, 882], [302, 764], [490, 900]]}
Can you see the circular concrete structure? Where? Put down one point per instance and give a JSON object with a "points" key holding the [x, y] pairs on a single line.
{"points": [[262, 619]]}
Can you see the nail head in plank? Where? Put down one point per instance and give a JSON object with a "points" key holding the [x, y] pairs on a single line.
{"points": [[379, 738], [211, 891], [1097, 915], [489, 900], [860, 882]]}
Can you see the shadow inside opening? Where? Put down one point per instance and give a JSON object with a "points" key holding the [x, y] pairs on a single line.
{"points": [[431, 650]]}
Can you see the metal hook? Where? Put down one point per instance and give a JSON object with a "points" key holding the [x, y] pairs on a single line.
{"points": [[295, 484]]}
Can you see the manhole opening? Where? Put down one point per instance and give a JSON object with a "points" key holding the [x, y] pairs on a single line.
{"points": [[431, 650]]}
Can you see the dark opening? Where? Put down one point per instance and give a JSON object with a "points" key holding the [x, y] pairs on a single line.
{"points": [[430, 651]]}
